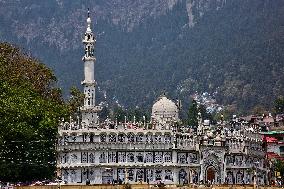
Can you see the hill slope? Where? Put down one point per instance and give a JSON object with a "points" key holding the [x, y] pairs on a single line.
{"points": [[231, 48]]}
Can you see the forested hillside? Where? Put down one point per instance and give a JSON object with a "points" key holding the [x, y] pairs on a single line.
{"points": [[232, 48]]}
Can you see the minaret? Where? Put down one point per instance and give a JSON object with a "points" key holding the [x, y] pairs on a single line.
{"points": [[89, 110]]}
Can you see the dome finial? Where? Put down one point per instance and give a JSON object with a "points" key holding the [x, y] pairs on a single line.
{"points": [[88, 13]]}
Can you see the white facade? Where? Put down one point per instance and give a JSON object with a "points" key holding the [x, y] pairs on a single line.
{"points": [[160, 151]]}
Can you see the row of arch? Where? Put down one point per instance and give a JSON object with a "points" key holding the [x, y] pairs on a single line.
{"points": [[139, 137]]}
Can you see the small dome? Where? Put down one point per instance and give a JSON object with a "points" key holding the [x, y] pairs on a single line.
{"points": [[205, 137], [165, 106], [218, 138], [210, 134]]}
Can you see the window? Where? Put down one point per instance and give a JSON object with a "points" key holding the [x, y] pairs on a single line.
{"points": [[66, 139], [149, 157], [168, 175], [130, 157], [92, 138], [91, 158], [158, 157], [239, 177], [158, 174], [65, 158], [230, 177], [84, 157], [158, 138], [112, 157], [121, 137], [139, 137], [103, 158], [121, 157], [130, 174], [168, 157], [73, 175], [130, 137], [139, 157], [112, 138], [103, 138], [65, 175], [192, 158], [167, 138], [74, 138], [139, 174], [149, 174], [149, 138], [73, 158], [182, 158]]}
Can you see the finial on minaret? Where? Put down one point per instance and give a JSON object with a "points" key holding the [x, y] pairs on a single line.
{"points": [[89, 30]]}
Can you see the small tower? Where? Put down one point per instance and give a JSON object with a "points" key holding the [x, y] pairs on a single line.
{"points": [[89, 109]]}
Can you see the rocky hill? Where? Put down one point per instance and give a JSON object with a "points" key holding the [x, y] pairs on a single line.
{"points": [[232, 48]]}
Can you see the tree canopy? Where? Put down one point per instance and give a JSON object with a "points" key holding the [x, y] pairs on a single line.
{"points": [[30, 109]]}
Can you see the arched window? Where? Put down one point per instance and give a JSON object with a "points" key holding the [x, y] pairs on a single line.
{"points": [[167, 138], [139, 137], [91, 158], [121, 157], [149, 157], [158, 157], [121, 137], [158, 174], [130, 137], [182, 158], [149, 138], [91, 137], [112, 137], [74, 158], [139, 157], [158, 138], [130, 157], [239, 177], [168, 175], [149, 174], [84, 157], [103, 137], [230, 177], [112, 157], [168, 157], [102, 158]]}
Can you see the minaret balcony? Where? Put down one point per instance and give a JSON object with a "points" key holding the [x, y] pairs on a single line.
{"points": [[89, 83], [85, 41], [88, 58], [91, 108]]}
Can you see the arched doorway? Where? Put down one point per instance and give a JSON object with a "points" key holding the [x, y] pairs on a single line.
{"points": [[210, 174]]}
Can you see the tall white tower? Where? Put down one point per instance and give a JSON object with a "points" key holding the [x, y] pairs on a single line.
{"points": [[89, 109]]}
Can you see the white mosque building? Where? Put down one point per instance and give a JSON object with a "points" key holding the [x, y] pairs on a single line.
{"points": [[159, 151]]}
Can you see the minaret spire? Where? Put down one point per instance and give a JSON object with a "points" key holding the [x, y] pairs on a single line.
{"points": [[89, 110], [89, 21]]}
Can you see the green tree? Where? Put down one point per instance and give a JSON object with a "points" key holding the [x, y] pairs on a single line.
{"points": [[193, 114], [30, 109], [76, 100]]}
